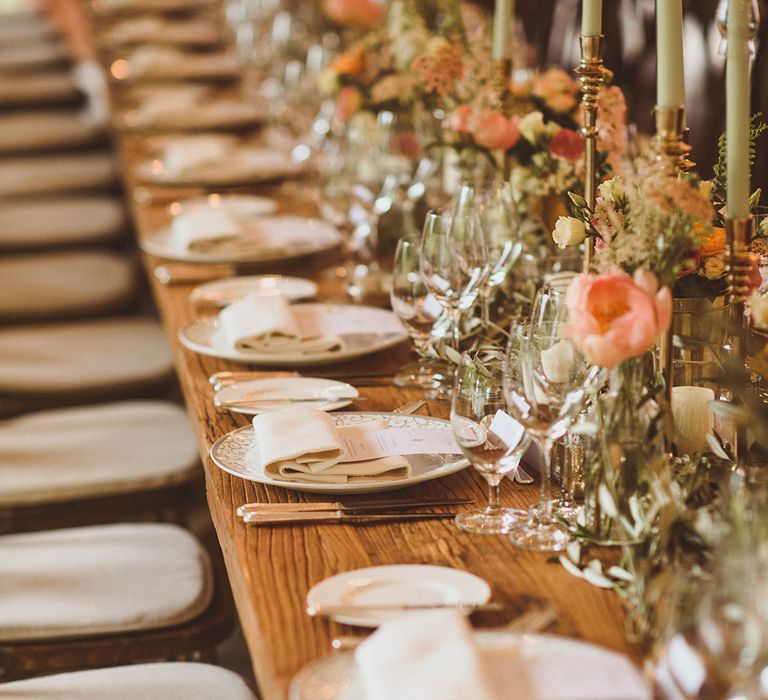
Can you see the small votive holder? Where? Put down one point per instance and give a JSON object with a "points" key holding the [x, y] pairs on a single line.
{"points": [[692, 416]]}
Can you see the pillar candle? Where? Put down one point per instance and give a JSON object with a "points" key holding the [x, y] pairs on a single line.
{"points": [[692, 416], [670, 75], [592, 18], [502, 29], [737, 108]]}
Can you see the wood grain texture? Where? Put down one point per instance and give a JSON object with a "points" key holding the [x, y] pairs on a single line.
{"points": [[271, 569]]}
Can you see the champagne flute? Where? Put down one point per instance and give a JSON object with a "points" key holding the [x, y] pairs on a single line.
{"points": [[490, 439], [544, 384], [418, 310]]}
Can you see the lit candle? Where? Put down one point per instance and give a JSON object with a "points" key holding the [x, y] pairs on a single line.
{"points": [[502, 29], [692, 416], [670, 76], [592, 18], [737, 108]]}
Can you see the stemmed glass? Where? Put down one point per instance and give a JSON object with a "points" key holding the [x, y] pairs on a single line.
{"points": [[418, 310], [490, 439], [544, 385], [454, 259]]}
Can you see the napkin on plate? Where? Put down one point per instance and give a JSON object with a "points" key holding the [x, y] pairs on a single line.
{"points": [[146, 58], [304, 444], [178, 99], [204, 228], [187, 154], [432, 655], [263, 322]]}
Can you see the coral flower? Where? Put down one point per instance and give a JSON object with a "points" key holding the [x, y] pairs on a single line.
{"points": [[349, 63], [493, 130], [712, 242], [614, 317], [348, 102], [755, 276], [362, 13], [458, 121], [567, 144]]}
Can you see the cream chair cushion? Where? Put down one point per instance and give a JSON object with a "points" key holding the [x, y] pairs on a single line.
{"points": [[66, 283], [60, 455], [83, 356], [46, 130], [105, 579], [59, 173], [59, 221], [161, 681]]}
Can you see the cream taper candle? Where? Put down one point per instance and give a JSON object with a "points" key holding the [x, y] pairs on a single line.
{"points": [[502, 29], [670, 72], [592, 18], [737, 108]]}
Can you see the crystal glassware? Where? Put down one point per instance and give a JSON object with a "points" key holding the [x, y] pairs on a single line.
{"points": [[544, 385], [477, 412], [418, 310]]}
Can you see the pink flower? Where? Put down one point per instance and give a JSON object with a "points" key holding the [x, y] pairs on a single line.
{"points": [[614, 316], [407, 144], [567, 144], [348, 102], [458, 121], [362, 13], [755, 277], [493, 130]]}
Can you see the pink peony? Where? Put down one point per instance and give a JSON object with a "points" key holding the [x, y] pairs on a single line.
{"points": [[458, 121], [493, 130], [614, 316], [567, 144], [348, 102], [361, 13]]}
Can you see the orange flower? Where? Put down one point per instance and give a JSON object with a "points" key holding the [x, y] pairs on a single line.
{"points": [[712, 242], [348, 102], [350, 62]]}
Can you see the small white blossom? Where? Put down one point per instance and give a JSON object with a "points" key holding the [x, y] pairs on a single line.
{"points": [[569, 231]]}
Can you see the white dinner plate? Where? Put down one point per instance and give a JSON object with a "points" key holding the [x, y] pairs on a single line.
{"points": [[230, 454], [399, 584], [243, 165], [288, 237], [337, 394], [150, 29], [203, 336], [236, 204], [227, 291], [151, 63], [334, 677], [210, 114]]}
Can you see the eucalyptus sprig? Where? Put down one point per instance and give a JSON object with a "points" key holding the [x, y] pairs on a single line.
{"points": [[720, 170]]}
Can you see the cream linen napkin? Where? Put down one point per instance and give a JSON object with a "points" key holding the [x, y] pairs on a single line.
{"points": [[187, 154], [263, 322], [304, 444], [204, 228]]}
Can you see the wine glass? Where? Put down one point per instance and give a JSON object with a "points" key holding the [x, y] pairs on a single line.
{"points": [[454, 260], [418, 310], [490, 439], [544, 384]]}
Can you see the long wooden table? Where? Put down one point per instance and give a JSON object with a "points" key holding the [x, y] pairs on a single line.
{"points": [[272, 568]]}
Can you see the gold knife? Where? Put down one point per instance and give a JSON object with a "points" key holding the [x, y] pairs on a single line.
{"points": [[338, 516], [316, 610], [346, 507]]}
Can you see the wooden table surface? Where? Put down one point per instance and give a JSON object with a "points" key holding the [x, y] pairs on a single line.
{"points": [[272, 568]]}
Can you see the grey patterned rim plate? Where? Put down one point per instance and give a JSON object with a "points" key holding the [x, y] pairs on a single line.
{"points": [[229, 453]]}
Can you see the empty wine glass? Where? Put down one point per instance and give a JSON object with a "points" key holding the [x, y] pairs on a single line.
{"points": [[454, 259], [490, 439], [544, 384], [418, 310]]}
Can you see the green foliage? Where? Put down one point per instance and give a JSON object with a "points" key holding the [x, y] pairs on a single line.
{"points": [[720, 171]]}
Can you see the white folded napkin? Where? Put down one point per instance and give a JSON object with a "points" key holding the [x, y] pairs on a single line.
{"points": [[144, 59], [174, 100], [186, 154], [432, 655], [304, 444], [263, 322], [204, 228]]}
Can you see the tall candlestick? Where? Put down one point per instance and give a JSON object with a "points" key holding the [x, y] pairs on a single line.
{"points": [[502, 29], [592, 18], [737, 112], [670, 75]]}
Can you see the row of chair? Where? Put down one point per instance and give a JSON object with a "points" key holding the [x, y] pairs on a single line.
{"points": [[96, 569]]}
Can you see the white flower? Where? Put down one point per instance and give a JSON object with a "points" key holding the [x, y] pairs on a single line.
{"points": [[569, 231], [705, 188], [714, 267], [532, 126], [758, 305], [328, 81], [612, 190], [436, 44]]}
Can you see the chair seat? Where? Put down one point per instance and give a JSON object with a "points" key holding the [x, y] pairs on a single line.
{"points": [[62, 284], [46, 130], [60, 221], [91, 451], [38, 88], [160, 681], [85, 357], [59, 173], [104, 579]]}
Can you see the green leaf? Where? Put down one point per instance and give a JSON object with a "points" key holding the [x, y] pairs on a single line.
{"points": [[728, 410], [716, 446], [573, 549], [621, 574]]}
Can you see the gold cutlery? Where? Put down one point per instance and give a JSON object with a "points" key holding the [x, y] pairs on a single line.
{"points": [[337, 517], [326, 610], [170, 274], [347, 507], [409, 407], [246, 401]]}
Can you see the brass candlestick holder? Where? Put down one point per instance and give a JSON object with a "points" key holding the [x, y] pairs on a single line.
{"points": [[738, 235], [592, 76], [670, 143]]}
